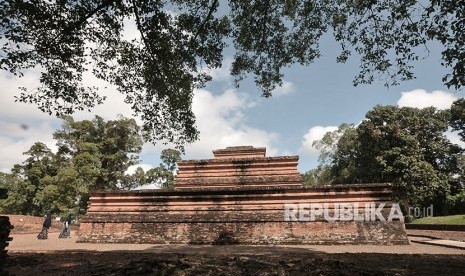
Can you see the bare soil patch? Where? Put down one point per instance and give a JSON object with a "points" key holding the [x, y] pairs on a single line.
{"points": [[446, 235]]}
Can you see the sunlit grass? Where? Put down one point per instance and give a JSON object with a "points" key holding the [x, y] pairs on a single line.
{"points": [[451, 220]]}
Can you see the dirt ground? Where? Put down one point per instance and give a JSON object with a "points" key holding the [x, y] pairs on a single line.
{"points": [[30, 256], [279, 263], [448, 235]]}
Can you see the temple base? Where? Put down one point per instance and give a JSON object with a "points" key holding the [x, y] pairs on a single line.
{"points": [[277, 233], [246, 216]]}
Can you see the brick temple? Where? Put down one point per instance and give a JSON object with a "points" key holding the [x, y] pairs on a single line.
{"points": [[239, 167], [239, 197]]}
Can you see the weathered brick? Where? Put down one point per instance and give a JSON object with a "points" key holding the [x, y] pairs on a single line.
{"points": [[238, 197]]}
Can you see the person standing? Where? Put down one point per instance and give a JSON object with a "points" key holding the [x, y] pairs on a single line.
{"points": [[66, 231], [43, 235]]}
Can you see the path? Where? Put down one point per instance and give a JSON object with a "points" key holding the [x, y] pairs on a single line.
{"points": [[29, 242]]}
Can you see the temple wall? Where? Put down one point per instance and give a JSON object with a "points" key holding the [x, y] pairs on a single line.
{"points": [[246, 172], [249, 216], [245, 233], [239, 152]]}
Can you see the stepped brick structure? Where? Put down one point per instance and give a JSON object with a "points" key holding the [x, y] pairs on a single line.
{"points": [[238, 167], [242, 197]]}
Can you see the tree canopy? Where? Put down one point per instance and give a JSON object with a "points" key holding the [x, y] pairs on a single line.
{"points": [[177, 40], [404, 146], [101, 150], [92, 155]]}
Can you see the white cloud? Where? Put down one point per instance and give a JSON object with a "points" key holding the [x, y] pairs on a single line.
{"points": [[220, 118], [17, 138], [16, 110], [152, 186], [315, 133], [132, 169], [421, 98], [285, 89], [223, 73], [222, 123], [21, 125], [130, 31], [455, 138], [113, 106]]}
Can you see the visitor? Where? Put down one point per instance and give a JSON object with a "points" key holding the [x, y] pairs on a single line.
{"points": [[66, 231], [43, 235]]}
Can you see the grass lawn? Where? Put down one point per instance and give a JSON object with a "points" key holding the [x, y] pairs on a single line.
{"points": [[451, 220]]}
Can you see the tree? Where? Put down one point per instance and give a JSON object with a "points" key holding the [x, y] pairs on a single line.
{"points": [[165, 173], [404, 146], [16, 200], [162, 176], [170, 158], [92, 155], [101, 151], [41, 184], [319, 176], [337, 155], [130, 181], [412, 132], [411, 151], [158, 71], [62, 193], [39, 164], [457, 119]]}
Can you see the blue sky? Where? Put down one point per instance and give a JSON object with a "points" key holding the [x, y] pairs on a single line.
{"points": [[313, 100]]}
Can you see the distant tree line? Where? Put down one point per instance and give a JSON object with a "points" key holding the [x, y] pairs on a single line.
{"points": [[92, 155], [405, 146]]}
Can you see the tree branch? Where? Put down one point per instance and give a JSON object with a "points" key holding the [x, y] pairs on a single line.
{"points": [[202, 26], [71, 28], [146, 42], [264, 28]]}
